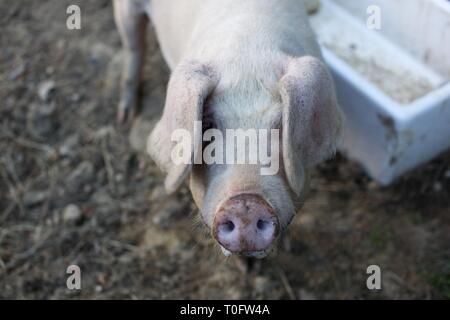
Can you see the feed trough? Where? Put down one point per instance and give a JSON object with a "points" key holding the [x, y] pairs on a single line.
{"points": [[392, 82]]}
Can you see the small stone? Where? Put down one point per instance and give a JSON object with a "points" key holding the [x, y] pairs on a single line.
{"points": [[52, 155], [447, 174], [33, 198], [71, 213], [76, 97], [45, 88], [49, 70], [68, 146], [437, 187]]}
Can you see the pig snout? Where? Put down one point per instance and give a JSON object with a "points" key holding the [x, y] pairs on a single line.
{"points": [[245, 224]]}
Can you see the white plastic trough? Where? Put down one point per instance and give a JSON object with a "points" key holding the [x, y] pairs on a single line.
{"points": [[393, 83]]}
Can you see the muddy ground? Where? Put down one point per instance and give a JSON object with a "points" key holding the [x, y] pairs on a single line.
{"points": [[74, 189]]}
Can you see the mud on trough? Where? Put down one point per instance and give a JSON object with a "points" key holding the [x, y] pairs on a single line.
{"points": [[76, 188]]}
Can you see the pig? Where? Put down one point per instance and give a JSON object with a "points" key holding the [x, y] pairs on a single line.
{"points": [[236, 64]]}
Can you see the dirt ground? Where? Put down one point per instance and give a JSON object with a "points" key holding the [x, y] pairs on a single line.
{"points": [[74, 189]]}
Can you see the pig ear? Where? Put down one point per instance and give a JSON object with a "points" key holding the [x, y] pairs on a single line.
{"points": [[189, 86], [311, 118]]}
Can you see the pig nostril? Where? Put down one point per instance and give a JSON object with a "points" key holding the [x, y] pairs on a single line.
{"points": [[228, 226], [262, 225]]}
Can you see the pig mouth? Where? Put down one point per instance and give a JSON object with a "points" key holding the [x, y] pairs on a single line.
{"points": [[249, 254]]}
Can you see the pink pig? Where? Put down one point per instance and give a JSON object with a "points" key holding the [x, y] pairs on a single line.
{"points": [[236, 64]]}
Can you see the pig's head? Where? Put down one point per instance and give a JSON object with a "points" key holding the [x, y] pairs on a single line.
{"points": [[245, 209]]}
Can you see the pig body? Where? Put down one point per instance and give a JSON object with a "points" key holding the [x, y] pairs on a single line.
{"points": [[237, 33], [252, 64]]}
